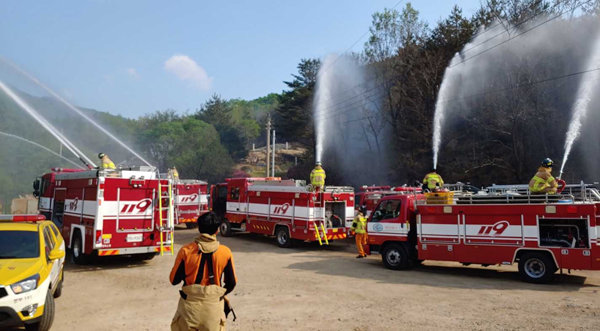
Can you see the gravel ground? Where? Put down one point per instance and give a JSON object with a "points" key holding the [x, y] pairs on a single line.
{"points": [[326, 288]]}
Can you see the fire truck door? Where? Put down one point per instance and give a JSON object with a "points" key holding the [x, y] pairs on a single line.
{"points": [[219, 200], [387, 220], [58, 206]]}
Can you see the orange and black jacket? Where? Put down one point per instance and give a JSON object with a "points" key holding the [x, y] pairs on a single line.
{"points": [[188, 262]]}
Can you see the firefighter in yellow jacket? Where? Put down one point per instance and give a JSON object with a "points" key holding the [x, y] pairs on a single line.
{"points": [[106, 162], [543, 182], [203, 266], [317, 177], [359, 226], [433, 181]]}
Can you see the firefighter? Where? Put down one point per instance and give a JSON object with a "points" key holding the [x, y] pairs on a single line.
{"points": [[432, 181], [173, 173], [107, 163], [317, 177], [359, 226], [203, 266], [543, 182]]}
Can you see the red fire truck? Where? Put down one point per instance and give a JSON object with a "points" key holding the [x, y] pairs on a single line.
{"points": [[542, 233], [286, 209], [109, 212], [190, 199]]}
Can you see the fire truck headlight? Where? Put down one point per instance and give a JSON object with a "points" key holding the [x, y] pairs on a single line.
{"points": [[26, 285]]}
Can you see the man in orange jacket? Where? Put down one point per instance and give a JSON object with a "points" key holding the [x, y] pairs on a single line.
{"points": [[203, 266]]}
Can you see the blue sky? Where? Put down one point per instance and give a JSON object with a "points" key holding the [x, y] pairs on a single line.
{"points": [[136, 57]]}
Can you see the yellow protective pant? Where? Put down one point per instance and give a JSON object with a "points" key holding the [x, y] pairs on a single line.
{"points": [[202, 310], [361, 240]]}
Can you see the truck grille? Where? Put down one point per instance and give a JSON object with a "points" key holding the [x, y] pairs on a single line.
{"points": [[3, 292]]}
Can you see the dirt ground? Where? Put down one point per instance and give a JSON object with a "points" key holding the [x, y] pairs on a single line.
{"points": [[327, 288]]}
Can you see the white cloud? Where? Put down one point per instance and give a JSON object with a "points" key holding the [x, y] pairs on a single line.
{"points": [[132, 72], [187, 69]]}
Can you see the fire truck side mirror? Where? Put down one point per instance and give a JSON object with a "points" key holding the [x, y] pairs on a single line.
{"points": [[36, 187]]}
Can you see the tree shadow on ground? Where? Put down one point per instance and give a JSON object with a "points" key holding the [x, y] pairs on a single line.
{"points": [[431, 274]]}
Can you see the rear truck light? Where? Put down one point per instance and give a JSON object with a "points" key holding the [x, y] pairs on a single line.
{"points": [[98, 237], [22, 218]]}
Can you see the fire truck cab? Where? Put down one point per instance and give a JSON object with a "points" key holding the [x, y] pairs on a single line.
{"points": [[542, 233], [369, 196], [109, 212], [286, 209]]}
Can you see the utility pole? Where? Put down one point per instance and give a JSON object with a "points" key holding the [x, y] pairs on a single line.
{"points": [[268, 142], [273, 164]]}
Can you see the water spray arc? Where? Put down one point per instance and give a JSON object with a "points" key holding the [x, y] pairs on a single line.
{"points": [[323, 104], [46, 125], [75, 109], [450, 79], [587, 88], [40, 146]]}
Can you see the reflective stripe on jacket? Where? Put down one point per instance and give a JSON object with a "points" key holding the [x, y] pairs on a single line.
{"points": [[108, 165], [317, 177], [431, 179], [359, 225], [543, 182]]}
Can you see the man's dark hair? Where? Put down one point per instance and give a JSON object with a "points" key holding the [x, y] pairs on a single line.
{"points": [[208, 223]]}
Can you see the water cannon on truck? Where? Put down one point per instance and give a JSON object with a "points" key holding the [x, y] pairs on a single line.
{"points": [[506, 225]]}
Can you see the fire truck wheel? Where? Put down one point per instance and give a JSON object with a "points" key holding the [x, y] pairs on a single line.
{"points": [[282, 234], [77, 250], [394, 256], [536, 267], [47, 318], [225, 228]]}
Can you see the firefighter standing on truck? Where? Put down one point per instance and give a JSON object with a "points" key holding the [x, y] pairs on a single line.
{"points": [[106, 162], [543, 182], [201, 265], [317, 177], [433, 181], [359, 226]]}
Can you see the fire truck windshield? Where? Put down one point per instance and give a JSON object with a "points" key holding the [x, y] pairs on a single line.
{"points": [[386, 210]]}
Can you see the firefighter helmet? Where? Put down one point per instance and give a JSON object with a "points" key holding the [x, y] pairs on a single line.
{"points": [[101, 155], [547, 163]]}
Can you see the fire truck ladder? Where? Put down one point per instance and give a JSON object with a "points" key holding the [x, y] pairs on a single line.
{"points": [[320, 237], [169, 227]]}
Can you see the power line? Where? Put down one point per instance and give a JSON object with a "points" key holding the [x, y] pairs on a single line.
{"points": [[515, 36], [495, 91], [505, 30], [339, 110], [357, 40], [528, 84]]}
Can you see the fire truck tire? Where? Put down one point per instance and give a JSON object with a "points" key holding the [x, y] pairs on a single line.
{"points": [[77, 250], [47, 318], [535, 267], [225, 228], [395, 257], [282, 235], [58, 291]]}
